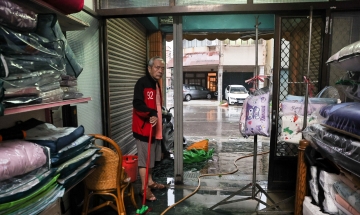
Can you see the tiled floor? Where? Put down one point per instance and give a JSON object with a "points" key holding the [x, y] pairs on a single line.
{"points": [[206, 120], [213, 189]]}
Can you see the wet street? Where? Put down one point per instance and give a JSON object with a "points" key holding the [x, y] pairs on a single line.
{"points": [[205, 119]]}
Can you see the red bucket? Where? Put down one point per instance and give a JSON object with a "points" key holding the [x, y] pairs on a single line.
{"points": [[130, 164]]}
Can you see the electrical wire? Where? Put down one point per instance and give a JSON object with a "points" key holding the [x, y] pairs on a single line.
{"points": [[204, 175]]}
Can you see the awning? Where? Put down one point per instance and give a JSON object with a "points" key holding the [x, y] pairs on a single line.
{"points": [[223, 36], [198, 59]]}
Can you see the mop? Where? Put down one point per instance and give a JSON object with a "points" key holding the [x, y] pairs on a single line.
{"points": [[145, 209]]}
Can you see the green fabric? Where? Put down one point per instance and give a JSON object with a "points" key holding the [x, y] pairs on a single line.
{"points": [[32, 204], [346, 82], [197, 155], [18, 192], [29, 197]]}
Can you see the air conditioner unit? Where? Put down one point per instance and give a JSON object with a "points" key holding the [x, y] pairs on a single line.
{"points": [[268, 70]]}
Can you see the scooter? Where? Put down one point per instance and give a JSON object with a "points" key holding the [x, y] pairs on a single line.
{"points": [[167, 143]]}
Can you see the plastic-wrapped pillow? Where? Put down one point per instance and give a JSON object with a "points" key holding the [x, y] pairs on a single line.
{"points": [[348, 58], [18, 157], [17, 17], [344, 117], [292, 126], [257, 115]]}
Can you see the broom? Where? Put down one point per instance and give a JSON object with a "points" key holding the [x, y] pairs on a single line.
{"points": [[145, 209]]}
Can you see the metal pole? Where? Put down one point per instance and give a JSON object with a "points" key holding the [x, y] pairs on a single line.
{"points": [[178, 102], [306, 102], [220, 73], [256, 86]]}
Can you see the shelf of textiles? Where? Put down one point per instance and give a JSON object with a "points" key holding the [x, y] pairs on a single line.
{"points": [[25, 12], [27, 108], [329, 166], [36, 63], [46, 162]]}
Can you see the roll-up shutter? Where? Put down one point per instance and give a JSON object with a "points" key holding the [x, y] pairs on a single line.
{"points": [[126, 50]]}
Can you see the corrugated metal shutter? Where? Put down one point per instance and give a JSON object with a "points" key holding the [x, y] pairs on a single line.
{"points": [[85, 45], [126, 47]]}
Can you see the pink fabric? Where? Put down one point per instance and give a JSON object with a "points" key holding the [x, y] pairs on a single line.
{"points": [[18, 157], [345, 205], [348, 182], [158, 126]]}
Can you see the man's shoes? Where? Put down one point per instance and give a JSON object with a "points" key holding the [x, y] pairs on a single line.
{"points": [[156, 186], [149, 195]]}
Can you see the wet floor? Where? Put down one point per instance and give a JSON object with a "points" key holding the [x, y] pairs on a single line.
{"points": [[205, 119]]}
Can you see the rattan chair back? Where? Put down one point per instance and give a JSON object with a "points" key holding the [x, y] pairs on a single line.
{"points": [[108, 173]]}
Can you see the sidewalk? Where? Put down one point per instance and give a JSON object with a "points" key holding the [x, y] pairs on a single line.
{"points": [[202, 102]]}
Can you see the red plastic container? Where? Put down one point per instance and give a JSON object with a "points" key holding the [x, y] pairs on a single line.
{"points": [[130, 163]]}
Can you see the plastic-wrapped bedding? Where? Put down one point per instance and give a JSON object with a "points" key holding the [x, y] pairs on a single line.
{"points": [[18, 157], [348, 195], [38, 78], [347, 58], [71, 150], [17, 17], [23, 65], [40, 202], [13, 43], [69, 166], [49, 27], [35, 202], [79, 173], [344, 116], [23, 91], [341, 149], [55, 138], [5, 208], [20, 186]]}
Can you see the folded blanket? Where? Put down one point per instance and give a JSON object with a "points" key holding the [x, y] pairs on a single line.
{"points": [[345, 205], [55, 138], [350, 196]]}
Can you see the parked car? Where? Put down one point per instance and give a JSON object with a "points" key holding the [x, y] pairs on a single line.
{"points": [[192, 91], [236, 94]]}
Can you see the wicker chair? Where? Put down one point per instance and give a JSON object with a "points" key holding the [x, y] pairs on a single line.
{"points": [[108, 179]]}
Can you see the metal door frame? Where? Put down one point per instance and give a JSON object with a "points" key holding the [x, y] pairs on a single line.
{"points": [[290, 161]]}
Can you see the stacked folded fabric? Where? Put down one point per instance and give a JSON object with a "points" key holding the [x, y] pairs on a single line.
{"points": [[347, 199], [26, 180], [31, 182], [69, 86], [30, 67], [34, 54]]}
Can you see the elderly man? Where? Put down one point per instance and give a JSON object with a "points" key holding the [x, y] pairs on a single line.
{"points": [[147, 105]]}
